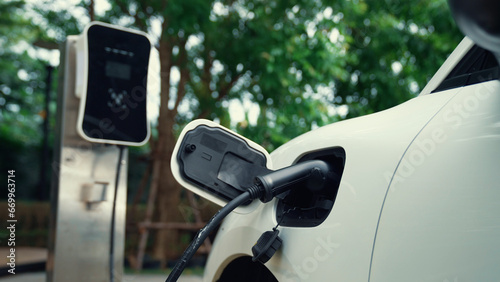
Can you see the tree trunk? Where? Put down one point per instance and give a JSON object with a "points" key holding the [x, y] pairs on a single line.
{"points": [[168, 200], [168, 197]]}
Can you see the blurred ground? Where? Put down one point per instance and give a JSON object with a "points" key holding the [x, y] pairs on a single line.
{"points": [[36, 257]]}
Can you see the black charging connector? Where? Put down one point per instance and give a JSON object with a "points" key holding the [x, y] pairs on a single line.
{"points": [[314, 173], [267, 245]]}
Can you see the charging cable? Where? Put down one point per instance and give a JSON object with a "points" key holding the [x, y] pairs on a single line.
{"points": [[316, 172], [113, 215]]}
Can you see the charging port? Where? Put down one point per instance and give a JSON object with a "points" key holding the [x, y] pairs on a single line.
{"points": [[303, 207]]}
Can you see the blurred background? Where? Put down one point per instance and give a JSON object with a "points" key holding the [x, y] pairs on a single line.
{"points": [[270, 70]]}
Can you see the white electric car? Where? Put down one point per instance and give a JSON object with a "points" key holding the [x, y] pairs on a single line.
{"points": [[417, 196]]}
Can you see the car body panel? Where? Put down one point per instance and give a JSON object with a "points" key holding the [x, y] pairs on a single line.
{"points": [[441, 217]]}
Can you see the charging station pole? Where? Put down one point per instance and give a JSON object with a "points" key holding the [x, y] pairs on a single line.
{"points": [[82, 193], [101, 110]]}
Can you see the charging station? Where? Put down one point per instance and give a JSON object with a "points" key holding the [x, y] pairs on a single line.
{"points": [[101, 110], [111, 83]]}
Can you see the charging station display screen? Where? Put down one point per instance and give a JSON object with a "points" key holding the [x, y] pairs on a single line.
{"points": [[115, 106], [118, 70]]}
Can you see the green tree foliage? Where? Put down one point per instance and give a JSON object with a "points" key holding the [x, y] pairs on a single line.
{"points": [[397, 46], [21, 77], [237, 50], [22, 87]]}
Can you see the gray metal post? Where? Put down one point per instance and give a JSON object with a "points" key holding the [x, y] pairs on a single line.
{"points": [[82, 195]]}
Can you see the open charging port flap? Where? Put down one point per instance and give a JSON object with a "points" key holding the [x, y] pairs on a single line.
{"points": [[217, 163]]}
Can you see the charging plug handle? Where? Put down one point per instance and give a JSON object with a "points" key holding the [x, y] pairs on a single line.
{"points": [[315, 173]]}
